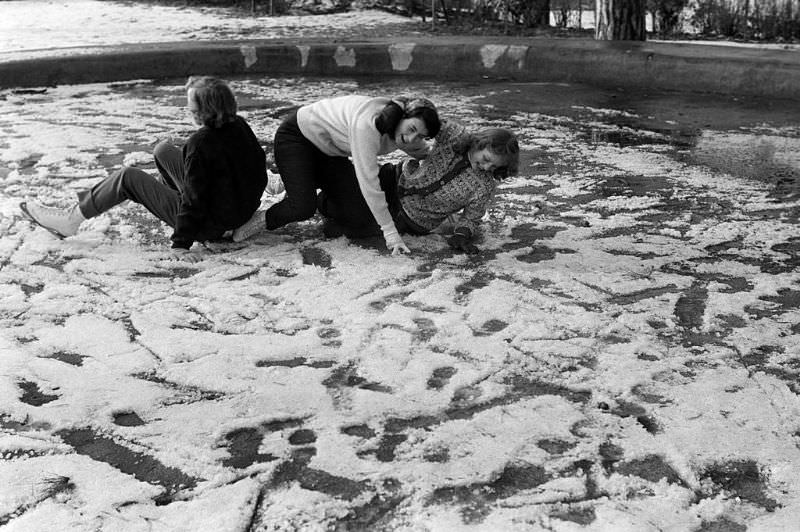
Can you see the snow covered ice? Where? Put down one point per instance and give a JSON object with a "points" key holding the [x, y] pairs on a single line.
{"points": [[621, 356], [622, 353]]}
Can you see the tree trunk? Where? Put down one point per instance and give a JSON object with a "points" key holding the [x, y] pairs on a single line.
{"points": [[620, 20], [540, 13]]}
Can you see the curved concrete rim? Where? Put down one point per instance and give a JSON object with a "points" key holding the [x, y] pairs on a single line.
{"points": [[624, 64]]}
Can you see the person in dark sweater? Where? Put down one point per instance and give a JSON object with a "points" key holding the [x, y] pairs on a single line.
{"points": [[209, 187]]}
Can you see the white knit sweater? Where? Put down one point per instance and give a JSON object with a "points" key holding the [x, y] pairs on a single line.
{"points": [[345, 126]]}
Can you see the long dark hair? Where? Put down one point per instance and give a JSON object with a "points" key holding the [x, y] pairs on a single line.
{"points": [[399, 108], [500, 141]]}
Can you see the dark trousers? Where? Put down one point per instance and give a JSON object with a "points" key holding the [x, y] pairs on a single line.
{"points": [[161, 199], [304, 169], [365, 225], [389, 175]]}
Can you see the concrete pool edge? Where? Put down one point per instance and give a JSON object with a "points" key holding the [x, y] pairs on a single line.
{"points": [[708, 68]]}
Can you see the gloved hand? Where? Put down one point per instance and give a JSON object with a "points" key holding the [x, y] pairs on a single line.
{"points": [[395, 243], [461, 242]]}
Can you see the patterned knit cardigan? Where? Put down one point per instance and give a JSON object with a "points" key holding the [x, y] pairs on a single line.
{"points": [[470, 192]]}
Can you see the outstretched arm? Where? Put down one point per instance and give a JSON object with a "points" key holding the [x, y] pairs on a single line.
{"points": [[365, 144], [468, 221]]}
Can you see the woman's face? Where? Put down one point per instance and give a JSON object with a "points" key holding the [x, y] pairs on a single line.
{"points": [[485, 160], [410, 132]]}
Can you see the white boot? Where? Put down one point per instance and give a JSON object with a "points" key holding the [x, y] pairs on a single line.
{"points": [[274, 184], [256, 224], [60, 222]]}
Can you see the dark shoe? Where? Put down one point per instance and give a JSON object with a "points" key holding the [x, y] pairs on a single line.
{"points": [[332, 229]]}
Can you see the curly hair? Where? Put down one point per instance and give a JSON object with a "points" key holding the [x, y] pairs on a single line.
{"points": [[216, 103]]}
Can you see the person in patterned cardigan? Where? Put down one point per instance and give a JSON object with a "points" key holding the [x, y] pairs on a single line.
{"points": [[459, 176]]}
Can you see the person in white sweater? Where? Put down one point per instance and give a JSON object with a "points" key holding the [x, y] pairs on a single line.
{"points": [[333, 145]]}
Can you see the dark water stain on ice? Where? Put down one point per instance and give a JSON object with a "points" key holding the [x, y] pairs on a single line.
{"points": [[423, 307], [314, 256], [626, 409], [791, 248], [490, 327], [184, 393], [579, 514], [524, 387], [634, 185], [347, 376], [29, 289], [29, 162], [438, 455], [641, 295], [296, 470], [390, 299], [22, 426], [177, 272], [359, 431], [296, 362], [52, 261], [629, 130], [723, 524], [130, 328], [393, 425], [640, 391], [691, 306], [143, 467], [750, 155], [375, 514], [527, 233], [787, 370], [786, 300], [652, 468], [610, 455], [476, 500], [555, 446], [543, 253], [243, 445], [462, 407], [480, 279], [32, 395], [128, 419], [647, 356], [330, 336], [425, 330], [740, 478], [385, 450], [302, 437], [440, 377], [759, 356], [73, 359]]}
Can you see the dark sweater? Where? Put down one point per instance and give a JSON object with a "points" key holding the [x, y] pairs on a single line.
{"points": [[226, 174]]}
